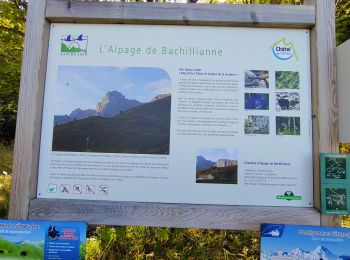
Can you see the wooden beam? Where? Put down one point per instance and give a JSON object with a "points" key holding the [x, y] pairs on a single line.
{"points": [[181, 14], [27, 142], [324, 92], [169, 215]]}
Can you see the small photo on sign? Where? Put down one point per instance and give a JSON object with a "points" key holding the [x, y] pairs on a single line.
{"points": [[216, 166], [256, 101], [256, 79], [287, 101], [336, 199], [335, 168], [287, 80], [257, 125], [286, 125]]}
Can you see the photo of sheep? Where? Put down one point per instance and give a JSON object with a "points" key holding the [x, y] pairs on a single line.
{"points": [[286, 125], [287, 80], [256, 79], [257, 125], [289, 101], [216, 166], [256, 101]]}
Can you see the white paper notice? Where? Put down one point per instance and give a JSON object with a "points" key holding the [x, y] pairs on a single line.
{"points": [[177, 114]]}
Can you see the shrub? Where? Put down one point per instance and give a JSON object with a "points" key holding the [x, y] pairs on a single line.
{"points": [[5, 186], [170, 243]]}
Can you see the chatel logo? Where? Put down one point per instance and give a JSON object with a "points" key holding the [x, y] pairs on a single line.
{"points": [[284, 50], [72, 45]]}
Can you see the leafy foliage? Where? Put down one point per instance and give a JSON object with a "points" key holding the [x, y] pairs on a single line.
{"points": [[12, 25], [342, 16], [5, 186], [170, 243], [6, 153], [287, 80], [344, 148]]}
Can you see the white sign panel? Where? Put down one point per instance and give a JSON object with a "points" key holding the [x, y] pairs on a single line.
{"points": [[177, 114], [343, 77]]}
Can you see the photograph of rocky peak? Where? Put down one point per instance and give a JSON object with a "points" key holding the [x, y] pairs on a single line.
{"points": [[132, 118], [112, 104], [217, 165]]}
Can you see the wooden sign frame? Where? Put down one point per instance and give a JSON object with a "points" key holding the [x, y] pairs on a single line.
{"points": [[316, 15]]}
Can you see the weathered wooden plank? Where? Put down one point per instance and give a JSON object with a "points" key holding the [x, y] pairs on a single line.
{"points": [[169, 215], [26, 154], [181, 14], [325, 104]]}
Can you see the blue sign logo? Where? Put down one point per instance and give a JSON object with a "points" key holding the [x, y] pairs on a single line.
{"points": [[272, 230]]}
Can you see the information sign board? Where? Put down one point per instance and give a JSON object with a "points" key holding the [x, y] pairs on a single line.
{"points": [[42, 239], [177, 114], [284, 242], [335, 183]]}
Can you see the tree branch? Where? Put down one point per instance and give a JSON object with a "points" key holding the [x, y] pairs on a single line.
{"points": [[8, 55], [11, 30]]}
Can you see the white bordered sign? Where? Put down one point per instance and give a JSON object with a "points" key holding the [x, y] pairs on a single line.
{"points": [[177, 114]]}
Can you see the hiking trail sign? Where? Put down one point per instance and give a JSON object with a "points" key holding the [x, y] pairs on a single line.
{"points": [[148, 122]]}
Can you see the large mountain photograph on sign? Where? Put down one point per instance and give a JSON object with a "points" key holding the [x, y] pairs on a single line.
{"points": [[132, 116]]}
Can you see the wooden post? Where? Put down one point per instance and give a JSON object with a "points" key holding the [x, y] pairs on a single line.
{"points": [[26, 154], [324, 93]]}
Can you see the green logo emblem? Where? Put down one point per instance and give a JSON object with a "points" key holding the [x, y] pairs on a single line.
{"points": [[74, 45], [288, 195]]}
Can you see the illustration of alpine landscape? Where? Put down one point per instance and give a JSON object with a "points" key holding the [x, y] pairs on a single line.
{"points": [[283, 242], [112, 110], [319, 252], [218, 166]]}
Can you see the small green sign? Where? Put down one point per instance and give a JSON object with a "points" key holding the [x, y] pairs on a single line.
{"points": [[288, 195], [335, 183], [284, 197]]}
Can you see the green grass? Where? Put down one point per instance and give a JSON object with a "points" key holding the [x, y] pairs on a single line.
{"points": [[14, 250], [6, 155], [171, 243], [143, 130], [221, 175]]}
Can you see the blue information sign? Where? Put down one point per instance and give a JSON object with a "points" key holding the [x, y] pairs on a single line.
{"points": [[288, 242], [47, 240]]}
